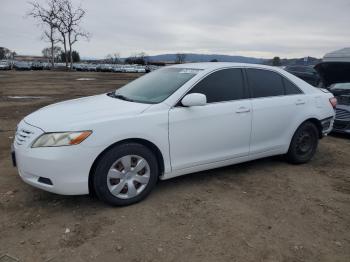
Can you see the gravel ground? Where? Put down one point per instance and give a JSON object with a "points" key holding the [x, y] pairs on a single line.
{"points": [[265, 210]]}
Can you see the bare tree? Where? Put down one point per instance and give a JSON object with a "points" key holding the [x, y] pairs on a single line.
{"points": [[109, 58], [116, 58], [69, 19], [62, 31], [46, 15], [47, 52], [180, 58]]}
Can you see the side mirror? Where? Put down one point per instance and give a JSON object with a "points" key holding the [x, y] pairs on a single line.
{"points": [[194, 99]]}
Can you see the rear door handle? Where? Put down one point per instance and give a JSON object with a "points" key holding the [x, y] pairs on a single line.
{"points": [[242, 109], [300, 102]]}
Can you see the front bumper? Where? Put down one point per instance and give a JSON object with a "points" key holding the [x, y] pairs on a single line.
{"points": [[327, 125], [62, 170], [342, 119], [341, 126]]}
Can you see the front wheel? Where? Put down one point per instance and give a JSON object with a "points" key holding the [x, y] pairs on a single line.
{"points": [[125, 174], [304, 144]]}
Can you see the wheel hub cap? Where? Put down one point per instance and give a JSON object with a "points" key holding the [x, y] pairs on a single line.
{"points": [[128, 176]]}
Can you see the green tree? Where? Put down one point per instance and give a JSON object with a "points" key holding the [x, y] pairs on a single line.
{"points": [[276, 61], [4, 53], [75, 56], [180, 58]]}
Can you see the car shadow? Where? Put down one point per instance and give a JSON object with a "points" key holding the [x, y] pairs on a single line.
{"points": [[232, 174], [340, 135]]}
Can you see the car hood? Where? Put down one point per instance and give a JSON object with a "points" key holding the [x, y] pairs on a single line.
{"points": [[82, 113], [334, 72]]}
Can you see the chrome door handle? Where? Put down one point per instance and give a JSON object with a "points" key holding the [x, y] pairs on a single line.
{"points": [[300, 102], [242, 109]]}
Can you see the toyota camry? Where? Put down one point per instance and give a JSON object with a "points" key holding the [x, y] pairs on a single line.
{"points": [[173, 121]]}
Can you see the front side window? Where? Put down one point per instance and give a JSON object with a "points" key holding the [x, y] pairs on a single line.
{"points": [[223, 85], [264, 83], [155, 87]]}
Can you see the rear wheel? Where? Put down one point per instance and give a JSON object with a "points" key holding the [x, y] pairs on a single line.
{"points": [[304, 144], [126, 174]]}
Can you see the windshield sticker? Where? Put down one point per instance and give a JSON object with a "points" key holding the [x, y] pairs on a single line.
{"points": [[190, 71]]}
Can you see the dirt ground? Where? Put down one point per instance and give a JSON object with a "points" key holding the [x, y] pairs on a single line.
{"points": [[265, 210]]}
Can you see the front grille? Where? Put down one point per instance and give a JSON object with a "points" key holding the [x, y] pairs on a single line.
{"points": [[26, 134], [22, 136], [343, 100], [342, 114]]}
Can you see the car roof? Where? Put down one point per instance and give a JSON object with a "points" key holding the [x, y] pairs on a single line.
{"points": [[218, 65]]}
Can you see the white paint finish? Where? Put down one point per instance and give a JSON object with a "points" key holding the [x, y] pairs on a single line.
{"points": [[190, 139], [273, 120], [194, 99], [210, 133]]}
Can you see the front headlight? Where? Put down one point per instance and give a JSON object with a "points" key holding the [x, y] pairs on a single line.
{"points": [[61, 139]]}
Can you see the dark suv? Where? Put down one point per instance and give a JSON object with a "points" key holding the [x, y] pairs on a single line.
{"points": [[342, 118], [336, 78], [307, 73]]}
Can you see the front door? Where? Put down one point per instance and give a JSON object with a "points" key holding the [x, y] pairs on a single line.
{"points": [[219, 130]]}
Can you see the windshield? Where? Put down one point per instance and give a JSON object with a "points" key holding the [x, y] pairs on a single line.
{"points": [[342, 86], [156, 86]]}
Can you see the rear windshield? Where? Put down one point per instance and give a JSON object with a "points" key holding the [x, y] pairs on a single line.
{"points": [[156, 86]]}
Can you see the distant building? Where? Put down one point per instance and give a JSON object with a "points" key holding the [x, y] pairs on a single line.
{"points": [[29, 58]]}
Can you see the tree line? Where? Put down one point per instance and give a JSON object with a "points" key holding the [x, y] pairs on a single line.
{"points": [[60, 21], [140, 58], [6, 53]]}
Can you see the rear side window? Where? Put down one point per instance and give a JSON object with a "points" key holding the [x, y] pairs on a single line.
{"points": [[291, 89], [264, 83], [223, 85]]}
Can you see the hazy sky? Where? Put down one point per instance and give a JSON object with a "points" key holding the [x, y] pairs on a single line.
{"points": [[260, 28]]}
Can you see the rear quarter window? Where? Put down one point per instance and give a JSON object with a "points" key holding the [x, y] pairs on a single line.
{"points": [[290, 88]]}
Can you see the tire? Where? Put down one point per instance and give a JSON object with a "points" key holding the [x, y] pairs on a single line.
{"points": [[304, 144], [130, 187]]}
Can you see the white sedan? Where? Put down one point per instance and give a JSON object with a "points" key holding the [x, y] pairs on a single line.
{"points": [[173, 121]]}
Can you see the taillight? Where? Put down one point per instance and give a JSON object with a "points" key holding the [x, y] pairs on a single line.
{"points": [[333, 102]]}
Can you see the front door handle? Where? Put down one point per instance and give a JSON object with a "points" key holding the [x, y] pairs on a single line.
{"points": [[300, 102], [242, 109]]}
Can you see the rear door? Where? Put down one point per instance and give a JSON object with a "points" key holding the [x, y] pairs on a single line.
{"points": [[277, 105]]}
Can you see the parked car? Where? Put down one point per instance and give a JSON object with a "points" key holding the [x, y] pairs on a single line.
{"points": [[140, 69], [37, 66], [78, 67], [129, 69], [21, 65], [104, 68], [307, 73], [46, 66], [61, 66], [117, 68], [335, 74], [4, 65], [81, 67], [91, 67], [173, 121], [342, 118]]}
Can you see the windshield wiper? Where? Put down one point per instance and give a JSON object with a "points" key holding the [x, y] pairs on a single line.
{"points": [[121, 97]]}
